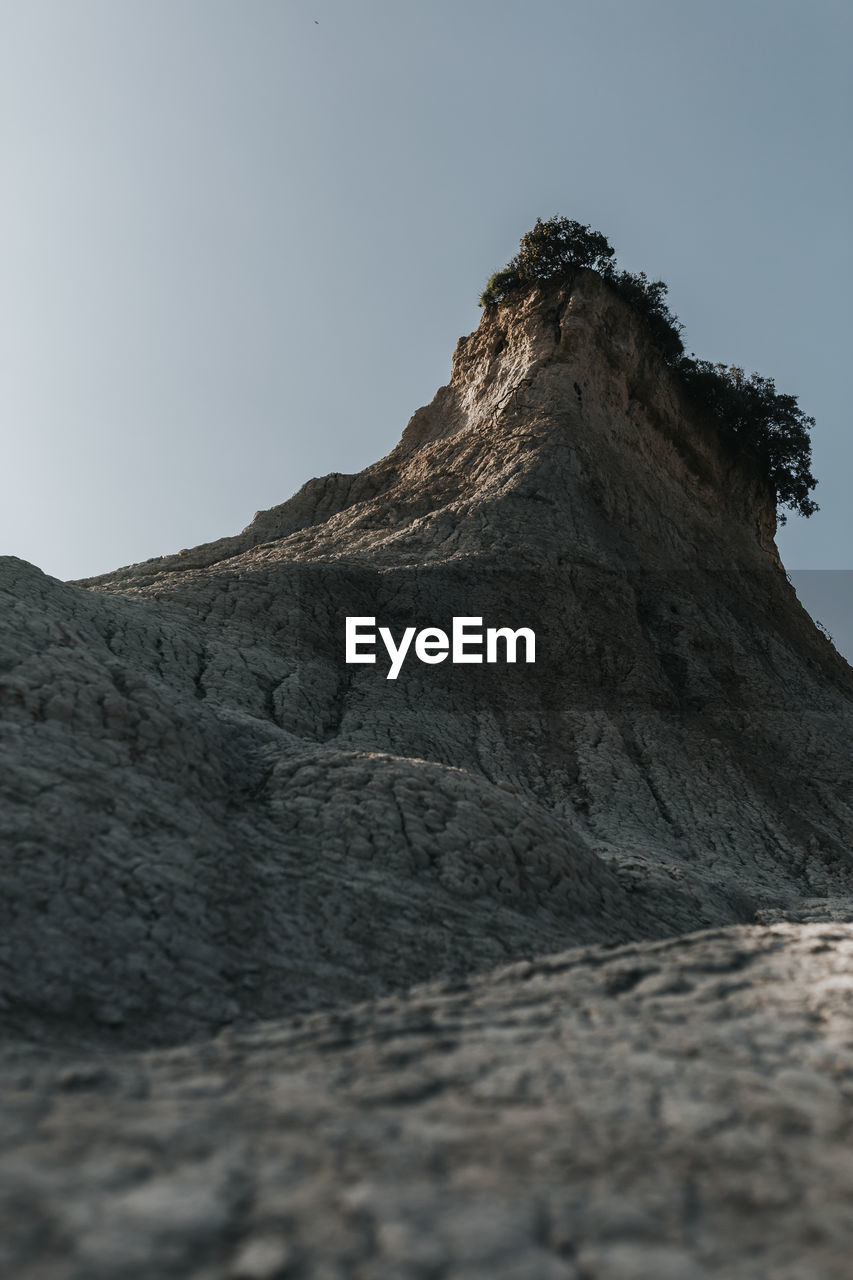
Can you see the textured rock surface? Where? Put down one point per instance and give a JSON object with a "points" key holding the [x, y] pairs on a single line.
{"points": [[662, 1111], [207, 818]]}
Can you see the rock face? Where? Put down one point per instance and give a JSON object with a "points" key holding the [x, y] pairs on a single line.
{"points": [[208, 818], [665, 1111], [208, 815]]}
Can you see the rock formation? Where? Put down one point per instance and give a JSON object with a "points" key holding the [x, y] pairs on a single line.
{"points": [[207, 818]]}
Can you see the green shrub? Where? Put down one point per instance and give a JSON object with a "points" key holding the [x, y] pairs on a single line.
{"points": [[765, 423], [500, 285], [552, 249], [557, 247]]}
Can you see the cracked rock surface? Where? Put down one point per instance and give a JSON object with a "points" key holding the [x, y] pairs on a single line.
{"points": [[212, 827], [678, 1109]]}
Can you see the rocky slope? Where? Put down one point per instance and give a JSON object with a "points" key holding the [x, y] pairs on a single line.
{"points": [[208, 815], [208, 818], [662, 1111]]}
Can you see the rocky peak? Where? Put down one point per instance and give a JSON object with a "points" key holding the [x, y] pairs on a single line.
{"points": [[558, 398], [186, 742], [624, 870]]}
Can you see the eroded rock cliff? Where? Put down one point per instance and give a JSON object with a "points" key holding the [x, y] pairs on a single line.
{"points": [[208, 816], [207, 819]]}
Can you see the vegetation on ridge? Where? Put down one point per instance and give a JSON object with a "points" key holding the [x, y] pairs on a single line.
{"points": [[766, 424]]}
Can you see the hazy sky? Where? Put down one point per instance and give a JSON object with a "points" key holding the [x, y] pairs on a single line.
{"points": [[240, 238]]}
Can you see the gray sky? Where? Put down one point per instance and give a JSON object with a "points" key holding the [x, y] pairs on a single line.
{"points": [[828, 596], [240, 238]]}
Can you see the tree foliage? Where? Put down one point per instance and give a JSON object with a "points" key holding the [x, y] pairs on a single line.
{"points": [[553, 248], [769, 425], [500, 285], [560, 245], [765, 423]]}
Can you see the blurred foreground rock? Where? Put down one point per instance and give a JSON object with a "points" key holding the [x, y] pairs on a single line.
{"points": [[669, 1110]]}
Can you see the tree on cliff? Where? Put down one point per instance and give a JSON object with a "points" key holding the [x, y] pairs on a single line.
{"points": [[769, 425], [553, 248], [766, 424]]}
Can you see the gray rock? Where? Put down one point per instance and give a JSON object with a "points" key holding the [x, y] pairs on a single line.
{"points": [[676, 1109], [209, 823]]}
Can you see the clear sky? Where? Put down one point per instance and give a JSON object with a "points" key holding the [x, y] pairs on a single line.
{"points": [[240, 238]]}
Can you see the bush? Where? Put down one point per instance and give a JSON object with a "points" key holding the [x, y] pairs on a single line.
{"points": [[768, 425], [500, 285], [552, 249], [765, 423], [557, 247]]}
